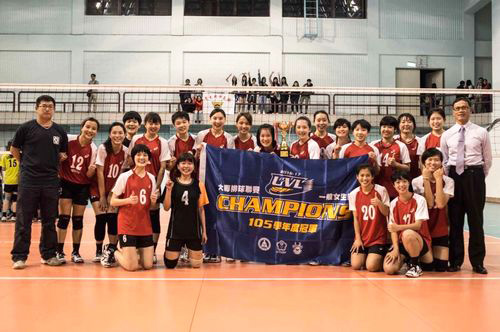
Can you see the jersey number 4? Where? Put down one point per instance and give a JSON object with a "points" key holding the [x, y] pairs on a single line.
{"points": [[185, 197]]}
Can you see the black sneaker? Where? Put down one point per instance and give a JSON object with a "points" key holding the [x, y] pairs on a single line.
{"points": [[108, 257], [76, 258]]}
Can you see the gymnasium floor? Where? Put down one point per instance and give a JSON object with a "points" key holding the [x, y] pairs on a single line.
{"points": [[243, 297]]}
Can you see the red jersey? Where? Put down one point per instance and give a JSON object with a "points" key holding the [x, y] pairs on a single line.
{"points": [[74, 168], [223, 141], [373, 224], [134, 219], [413, 150], [429, 141], [308, 150], [249, 144], [177, 146], [397, 150], [159, 151], [351, 150], [438, 218], [404, 213], [112, 164], [323, 142]]}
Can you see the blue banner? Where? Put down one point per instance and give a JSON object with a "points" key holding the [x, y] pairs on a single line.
{"points": [[267, 209]]}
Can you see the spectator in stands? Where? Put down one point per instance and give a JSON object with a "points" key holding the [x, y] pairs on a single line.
{"points": [[294, 98], [199, 82], [461, 85], [243, 96], [185, 94], [305, 99], [252, 98], [264, 95], [284, 96], [92, 95], [486, 98], [198, 105], [188, 105], [478, 99], [275, 97]]}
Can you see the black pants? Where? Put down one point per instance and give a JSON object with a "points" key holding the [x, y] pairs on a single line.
{"points": [[469, 197], [29, 198]]}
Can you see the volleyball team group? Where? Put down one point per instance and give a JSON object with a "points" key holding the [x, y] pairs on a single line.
{"points": [[400, 209]]}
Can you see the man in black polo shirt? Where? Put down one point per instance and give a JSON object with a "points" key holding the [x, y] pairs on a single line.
{"points": [[38, 145]]}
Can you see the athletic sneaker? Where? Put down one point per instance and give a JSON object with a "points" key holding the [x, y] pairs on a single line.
{"points": [[13, 219], [98, 257], [53, 261], [230, 260], [414, 271], [155, 259], [314, 262], [76, 258], [4, 218], [108, 257], [184, 256], [214, 259], [19, 265], [61, 257]]}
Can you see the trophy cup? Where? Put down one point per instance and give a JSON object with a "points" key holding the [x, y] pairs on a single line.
{"points": [[284, 151]]}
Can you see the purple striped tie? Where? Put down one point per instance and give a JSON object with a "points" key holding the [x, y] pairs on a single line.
{"points": [[460, 164]]}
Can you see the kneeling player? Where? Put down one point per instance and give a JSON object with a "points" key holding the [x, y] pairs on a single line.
{"points": [[186, 196], [409, 230], [369, 204], [437, 189], [134, 192]]}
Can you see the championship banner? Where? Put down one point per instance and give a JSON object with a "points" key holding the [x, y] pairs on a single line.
{"points": [[225, 101], [267, 209]]}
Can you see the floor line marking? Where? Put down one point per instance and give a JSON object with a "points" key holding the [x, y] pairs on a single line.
{"points": [[400, 278]]}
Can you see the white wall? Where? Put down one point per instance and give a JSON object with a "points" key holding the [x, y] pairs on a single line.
{"points": [[128, 67], [35, 67]]}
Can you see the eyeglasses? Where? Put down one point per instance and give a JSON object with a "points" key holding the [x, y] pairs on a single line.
{"points": [[461, 108], [46, 106]]}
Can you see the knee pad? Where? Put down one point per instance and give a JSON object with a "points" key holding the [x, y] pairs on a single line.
{"points": [[77, 222], [14, 197], [63, 221], [195, 263], [112, 223], [170, 263], [99, 228], [155, 220], [427, 266], [440, 265]]}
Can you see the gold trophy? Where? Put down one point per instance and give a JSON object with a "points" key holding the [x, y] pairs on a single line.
{"points": [[284, 151]]}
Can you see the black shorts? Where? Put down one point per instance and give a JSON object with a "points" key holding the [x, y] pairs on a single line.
{"points": [[96, 198], [10, 188], [424, 250], [177, 244], [137, 241], [379, 249], [442, 241], [78, 193]]}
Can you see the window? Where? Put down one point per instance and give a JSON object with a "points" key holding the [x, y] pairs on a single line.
{"points": [[129, 7], [325, 8], [226, 7]]}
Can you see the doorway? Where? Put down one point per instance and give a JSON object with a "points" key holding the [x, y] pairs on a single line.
{"points": [[416, 78]]}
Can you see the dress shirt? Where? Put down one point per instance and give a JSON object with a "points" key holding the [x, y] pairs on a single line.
{"points": [[477, 146]]}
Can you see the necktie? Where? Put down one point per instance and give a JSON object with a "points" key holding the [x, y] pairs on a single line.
{"points": [[460, 165]]}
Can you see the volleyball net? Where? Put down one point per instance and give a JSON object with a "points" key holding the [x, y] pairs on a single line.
{"points": [[108, 103]]}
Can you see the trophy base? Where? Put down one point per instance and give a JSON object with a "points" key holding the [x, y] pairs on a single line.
{"points": [[284, 154]]}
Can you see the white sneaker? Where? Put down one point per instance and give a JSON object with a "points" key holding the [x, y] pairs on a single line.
{"points": [[61, 257], [314, 263], [97, 258], [53, 261], [19, 265], [76, 258], [12, 219], [4, 219], [414, 271], [230, 260], [183, 258]]}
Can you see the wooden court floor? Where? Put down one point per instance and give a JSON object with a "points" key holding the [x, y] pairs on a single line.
{"points": [[239, 296]]}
